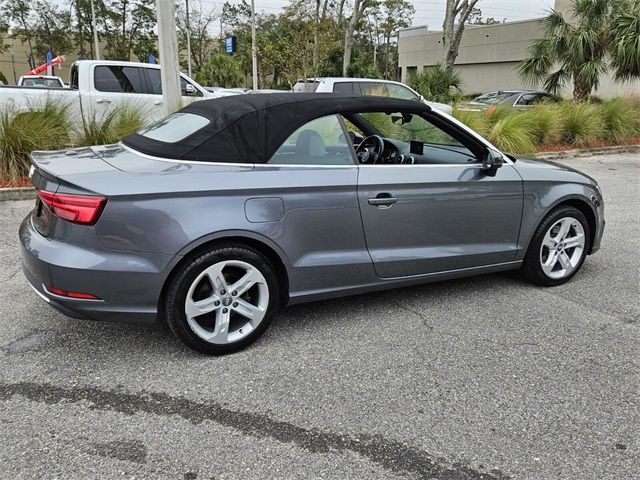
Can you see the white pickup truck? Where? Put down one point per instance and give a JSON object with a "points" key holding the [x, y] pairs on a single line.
{"points": [[365, 86], [97, 86]]}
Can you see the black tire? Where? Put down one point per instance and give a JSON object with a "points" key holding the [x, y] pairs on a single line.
{"points": [[181, 281], [531, 266]]}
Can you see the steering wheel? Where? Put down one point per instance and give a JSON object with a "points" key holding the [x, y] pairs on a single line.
{"points": [[370, 149]]}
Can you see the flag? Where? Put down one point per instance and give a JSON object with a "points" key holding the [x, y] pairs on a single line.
{"points": [[49, 63]]}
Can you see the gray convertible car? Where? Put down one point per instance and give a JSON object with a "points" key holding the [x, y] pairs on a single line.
{"points": [[220, 214]]}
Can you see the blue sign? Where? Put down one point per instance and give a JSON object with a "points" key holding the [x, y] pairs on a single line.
{"points": [[230, 44]]}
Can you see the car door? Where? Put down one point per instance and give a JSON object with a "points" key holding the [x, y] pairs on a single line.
{"points": [[314, 174], [118, 85], [443, 213]]}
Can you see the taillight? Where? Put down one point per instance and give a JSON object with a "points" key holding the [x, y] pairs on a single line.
{"points": [[82, 209]]}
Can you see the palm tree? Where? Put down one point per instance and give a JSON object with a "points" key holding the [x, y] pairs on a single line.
{"points": [[578, 49]]}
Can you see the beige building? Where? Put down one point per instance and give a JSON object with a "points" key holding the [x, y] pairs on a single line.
{"points": [[489, 55]]}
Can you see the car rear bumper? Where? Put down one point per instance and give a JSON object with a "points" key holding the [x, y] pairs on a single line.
{"points": [[128, 284]]}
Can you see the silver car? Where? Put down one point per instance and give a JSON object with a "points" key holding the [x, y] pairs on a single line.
{"points": [[217, 216]]}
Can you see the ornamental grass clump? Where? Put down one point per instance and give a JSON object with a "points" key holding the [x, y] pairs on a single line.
{"points": [[45, 127], [514, 133], [581, 123], [116, 124]]}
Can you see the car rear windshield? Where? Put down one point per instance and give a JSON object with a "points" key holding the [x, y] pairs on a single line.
{"points": [[175, 127]]}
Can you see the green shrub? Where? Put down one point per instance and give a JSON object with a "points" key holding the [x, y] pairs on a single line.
{"points": [[45, 127], [111, 128], [436, 84]]}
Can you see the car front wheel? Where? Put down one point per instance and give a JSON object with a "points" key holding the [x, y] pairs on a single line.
{"points": [[222, 300], [558, 247]]}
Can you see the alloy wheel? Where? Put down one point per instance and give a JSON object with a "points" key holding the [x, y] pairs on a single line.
{"points": [[226, 302], [562, 248]]}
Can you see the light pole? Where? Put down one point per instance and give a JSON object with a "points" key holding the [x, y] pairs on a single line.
{"points": [[96, 48], [168, 43], [254, 52], [188, 39]]}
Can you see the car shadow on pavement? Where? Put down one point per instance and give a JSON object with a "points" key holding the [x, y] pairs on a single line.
{"points": [[101, 340]]}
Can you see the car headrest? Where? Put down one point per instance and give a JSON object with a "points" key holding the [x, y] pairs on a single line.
{"points": [[310, 144]]}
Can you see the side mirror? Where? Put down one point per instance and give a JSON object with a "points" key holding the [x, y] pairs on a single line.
{"points": [[190, 90], [492, 161]]}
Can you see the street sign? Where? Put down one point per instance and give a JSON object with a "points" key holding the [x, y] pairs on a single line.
{"points": [[230, 44]]}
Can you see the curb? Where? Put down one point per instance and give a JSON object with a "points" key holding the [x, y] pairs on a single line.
{"points": [[588, 152], [20, 193]]}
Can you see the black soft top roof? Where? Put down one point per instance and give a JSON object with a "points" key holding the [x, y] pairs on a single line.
{"points": [[250, 128]]}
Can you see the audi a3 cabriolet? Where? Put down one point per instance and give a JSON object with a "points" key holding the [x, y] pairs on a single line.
{"points": [[220, 214]]}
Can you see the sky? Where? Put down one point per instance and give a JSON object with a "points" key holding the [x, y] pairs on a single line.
{"points": [[431, 12]]}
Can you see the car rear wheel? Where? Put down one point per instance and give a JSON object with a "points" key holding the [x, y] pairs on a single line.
{"points": [[558, 247], [222, 300]]}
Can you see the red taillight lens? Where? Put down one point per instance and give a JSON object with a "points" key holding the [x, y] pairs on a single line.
{"points": [[66, 293], [82, 209]]}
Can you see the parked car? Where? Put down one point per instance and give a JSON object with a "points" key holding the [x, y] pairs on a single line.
{"points": [[220, 214], [41, 81], [365, 86], [97, 86], [509, 98]]}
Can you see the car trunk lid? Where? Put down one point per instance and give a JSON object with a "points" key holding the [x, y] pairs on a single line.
{"points": [[57, 173]]}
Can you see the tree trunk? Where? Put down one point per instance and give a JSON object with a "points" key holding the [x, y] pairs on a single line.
{"points": [[581, 90], [348, 38], [456, 14]]}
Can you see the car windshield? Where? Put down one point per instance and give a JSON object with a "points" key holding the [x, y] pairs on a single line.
{"points": [[175, 127], [408, 127], [494, 98]]}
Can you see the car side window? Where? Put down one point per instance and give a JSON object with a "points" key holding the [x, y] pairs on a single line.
{"points": [[119, 79], [383, 89], [402, 92], [528, 99], [155, 84], [428, 142], [344, 87], [318, 142]]}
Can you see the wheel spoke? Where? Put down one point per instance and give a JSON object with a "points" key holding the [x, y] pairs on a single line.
{"points": [[247, 310], [247, 281], [565, 227], [565, 261], [218, 282], [576, 241], [221, 331], [548, 241], [195, 308]]}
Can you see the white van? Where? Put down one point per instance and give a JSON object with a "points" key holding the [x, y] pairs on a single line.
{"points": [[365, 86]]}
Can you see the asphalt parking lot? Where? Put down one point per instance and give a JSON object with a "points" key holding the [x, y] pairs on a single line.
{"points": [[487, 377]]}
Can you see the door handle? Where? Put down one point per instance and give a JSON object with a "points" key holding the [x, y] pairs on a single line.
{"points": [[383, 200], [158, 102], [103, 100]]}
